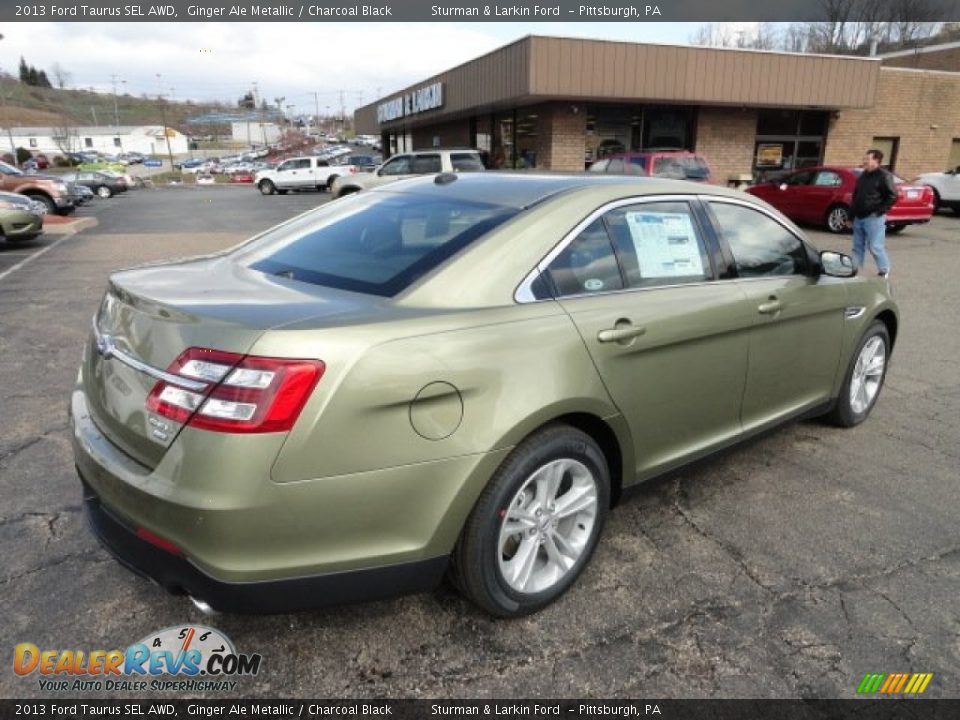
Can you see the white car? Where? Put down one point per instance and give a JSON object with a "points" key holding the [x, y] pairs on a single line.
{"points": [[301, 173], [946, 188], [408, 165]]}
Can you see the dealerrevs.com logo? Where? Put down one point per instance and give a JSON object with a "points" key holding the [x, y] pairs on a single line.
{"points": [[186, 658]]}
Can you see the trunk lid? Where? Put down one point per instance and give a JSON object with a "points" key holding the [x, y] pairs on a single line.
{"points": [[150, 315]]}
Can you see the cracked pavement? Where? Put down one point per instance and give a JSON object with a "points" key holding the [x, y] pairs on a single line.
{"points": [[787, 567]]}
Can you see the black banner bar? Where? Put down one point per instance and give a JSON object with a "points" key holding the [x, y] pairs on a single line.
{"points": [[867, 709], [449, 10]]}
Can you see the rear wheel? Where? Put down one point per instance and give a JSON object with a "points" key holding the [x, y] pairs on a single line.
{"points": [[536, 524], [45, 199], [864, 378], [266, 187], [838, 218]]}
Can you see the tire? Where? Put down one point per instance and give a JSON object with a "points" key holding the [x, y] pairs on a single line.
{"points": [[837, 218], [894, 229], [46, 200], [104, 192], [574, 465], [347, 191], [937, 202], [330, 182], [266, 187], [846, 412]]}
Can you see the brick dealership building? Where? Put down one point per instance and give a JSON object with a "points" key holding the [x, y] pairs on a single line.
{"points": [[560, 103]]}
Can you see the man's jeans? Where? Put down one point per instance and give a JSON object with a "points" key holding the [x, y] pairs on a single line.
{"points": [[870, 233]]}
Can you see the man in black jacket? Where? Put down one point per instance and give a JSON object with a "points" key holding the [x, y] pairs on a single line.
{"points": [[873, 196]]}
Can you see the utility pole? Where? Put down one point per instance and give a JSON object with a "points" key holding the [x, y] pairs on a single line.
{"points": [[3, 104], [116, 112], [166, 136], [93, 110], [316, 117]]}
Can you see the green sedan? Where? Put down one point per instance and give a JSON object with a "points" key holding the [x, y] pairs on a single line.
{"points": [[452, 376]]}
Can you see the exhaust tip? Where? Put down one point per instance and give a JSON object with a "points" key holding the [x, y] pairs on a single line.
{"points": [[202, 606]]}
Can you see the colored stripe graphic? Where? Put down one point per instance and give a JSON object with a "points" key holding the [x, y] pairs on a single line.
{"points": [[894, 683]]}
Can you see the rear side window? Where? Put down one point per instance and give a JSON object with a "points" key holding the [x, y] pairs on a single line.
{"points": [[375, 243], [423, 164], [639, 164], [760, 245], [587, 265], [466, 162], [659, 244], [681, 168]]}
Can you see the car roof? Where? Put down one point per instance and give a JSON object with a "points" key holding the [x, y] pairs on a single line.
{"points": [[521, 190]]}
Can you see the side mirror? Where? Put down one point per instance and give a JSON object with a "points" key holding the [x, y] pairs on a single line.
{"points": [[783, 186], [837, 264]]}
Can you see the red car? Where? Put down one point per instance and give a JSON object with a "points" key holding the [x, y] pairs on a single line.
{"points": [[676, 164], [823, 195]]}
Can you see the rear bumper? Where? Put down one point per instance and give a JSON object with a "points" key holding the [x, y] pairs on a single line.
{"points": [[178, 575]]}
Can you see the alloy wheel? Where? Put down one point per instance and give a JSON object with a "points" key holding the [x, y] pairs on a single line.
{"points": [[837, 219], [867, 374], [547, 526]]}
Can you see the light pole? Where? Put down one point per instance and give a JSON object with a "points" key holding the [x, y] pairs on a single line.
{"points": [[13, 146]]}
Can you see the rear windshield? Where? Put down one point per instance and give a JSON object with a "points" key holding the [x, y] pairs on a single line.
{"points": [[376, 243], [681, 168]]}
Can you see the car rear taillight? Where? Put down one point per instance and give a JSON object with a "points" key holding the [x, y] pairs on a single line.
{"points": [[232, 393]]}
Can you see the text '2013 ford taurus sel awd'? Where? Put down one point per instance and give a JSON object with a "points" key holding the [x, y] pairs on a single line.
{"points": [[454, 375]]}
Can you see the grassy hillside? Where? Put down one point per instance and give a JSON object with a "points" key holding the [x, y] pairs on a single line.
{"points": [[26, 106]]}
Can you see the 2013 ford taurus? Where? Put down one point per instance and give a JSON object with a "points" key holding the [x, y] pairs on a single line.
{"points": [[454, 374]]}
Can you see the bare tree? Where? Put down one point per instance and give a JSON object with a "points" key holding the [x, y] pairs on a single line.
{"points": [[60, 75], [63, 135]]}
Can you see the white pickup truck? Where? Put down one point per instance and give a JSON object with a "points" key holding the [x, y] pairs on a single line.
{"points": [[301, 173]]}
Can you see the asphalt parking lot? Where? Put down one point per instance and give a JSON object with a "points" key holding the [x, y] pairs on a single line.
{"points": [[788, 567]]}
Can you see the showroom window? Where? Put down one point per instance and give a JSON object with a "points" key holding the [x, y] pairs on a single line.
{"points": [[889, 147], [787, 140]]}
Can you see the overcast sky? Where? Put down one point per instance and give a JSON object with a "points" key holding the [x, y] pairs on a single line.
{"points": [[207, 61]]}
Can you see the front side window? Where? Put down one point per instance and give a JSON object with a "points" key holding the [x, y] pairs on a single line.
{"points": [[399, 165], [587, 265], [760, 245], [599, 166], [424, 164], [615, 166], [799, 178], [658, 243], [378, 243], [288, 165]]}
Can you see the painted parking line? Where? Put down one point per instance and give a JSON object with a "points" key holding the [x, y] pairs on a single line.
{"points": [[33, 256]]}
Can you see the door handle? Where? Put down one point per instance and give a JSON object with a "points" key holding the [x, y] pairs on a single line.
{"points": [[771, 307], [624, 330]]}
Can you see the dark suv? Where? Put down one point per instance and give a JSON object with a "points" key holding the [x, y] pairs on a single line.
{"points": [[675, 164]]}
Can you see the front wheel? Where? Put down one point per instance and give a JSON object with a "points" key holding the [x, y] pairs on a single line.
{"points": [[536, 524], [864, 378], [266, 187], [838, 219], [46, 200], [104, 192], [894, 229]]}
